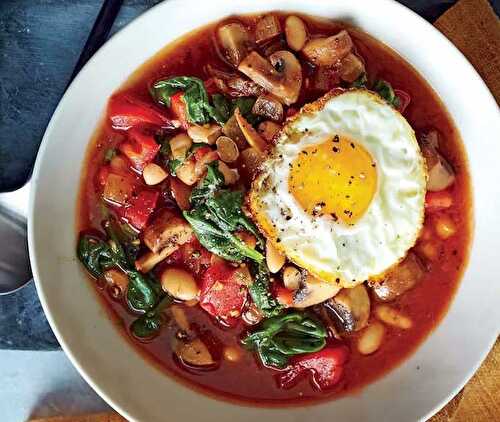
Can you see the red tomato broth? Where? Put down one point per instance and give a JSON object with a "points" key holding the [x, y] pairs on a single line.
{"points": [[246, 380]]}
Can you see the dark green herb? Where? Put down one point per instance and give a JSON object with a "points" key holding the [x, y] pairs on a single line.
{"points": [[149, 324], [222, 109], [245, 105], [213, 181], [218, 241], [260, 291], [95, 254], [280, 337], [173, 165], [361, 82], [109, 154], [195, 96], [384, 89], [216, 213]]}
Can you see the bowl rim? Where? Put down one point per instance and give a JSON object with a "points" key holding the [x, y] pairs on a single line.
{"points": [[113, 43]]}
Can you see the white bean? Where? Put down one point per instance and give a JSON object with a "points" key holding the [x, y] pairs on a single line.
{"points": [[371, 338], [153, 174], [179, 283], [393, 317], [296, 32], [292, 278]]}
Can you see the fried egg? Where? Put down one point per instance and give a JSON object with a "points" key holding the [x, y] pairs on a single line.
{"points": [[342, 192]]}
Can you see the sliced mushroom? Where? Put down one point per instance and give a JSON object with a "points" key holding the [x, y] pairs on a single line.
{"points": [[441, 174], [167, 230], [269, 107], [328, 51], [235, 42], [227, 149], [313, 291], [250, 160], [231, 176], [267, 28], [149, 260], [251, 135], [400, 279], [194, 352], [232, 130], [349, 309], [351, 68], [234, 84], [281, 74]]}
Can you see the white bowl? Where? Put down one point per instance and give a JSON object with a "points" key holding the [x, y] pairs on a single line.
{"points": [[139, 391]]}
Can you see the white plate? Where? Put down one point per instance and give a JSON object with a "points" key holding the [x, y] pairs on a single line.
{"points": [[141, 392]]}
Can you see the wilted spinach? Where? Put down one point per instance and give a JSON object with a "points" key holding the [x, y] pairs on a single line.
{"points": [[280, 337], [98, 255], [260, 291], [149, 324], [385, 90], [216, 213], [361, 82], [94, 253], [195, 96]]}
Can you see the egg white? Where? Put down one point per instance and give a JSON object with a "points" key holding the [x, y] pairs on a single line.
{"points": [[334, 251]]}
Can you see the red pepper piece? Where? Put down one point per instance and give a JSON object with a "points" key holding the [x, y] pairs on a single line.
{"points": [[140, 148], [140, 208], [179, 109], [326, 368], [125, 112], [222, 294], [438, 201]]}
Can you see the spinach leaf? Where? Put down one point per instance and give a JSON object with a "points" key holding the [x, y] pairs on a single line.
{"points": [[384, 89], [173, 165], [149, 324], [213, 181], [226, 212], [217, 240], [361, 82], [260, 291], [215, 214], [245, 104], [222, 109], [119, 250], [141, 293], [198, 107], [95, 254], [291, 334]]}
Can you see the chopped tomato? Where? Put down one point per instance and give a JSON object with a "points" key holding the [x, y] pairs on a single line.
{"points": [[102, 175], [284, 295], [404, 100], [325, 367], [140, 208], [437, 201], [125, 112], [222, 294], [192, 256], [178, 107], [199, 153], [140, 148]]}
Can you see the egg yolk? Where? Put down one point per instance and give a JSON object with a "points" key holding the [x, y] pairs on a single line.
{"points": [[337, 177]]}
